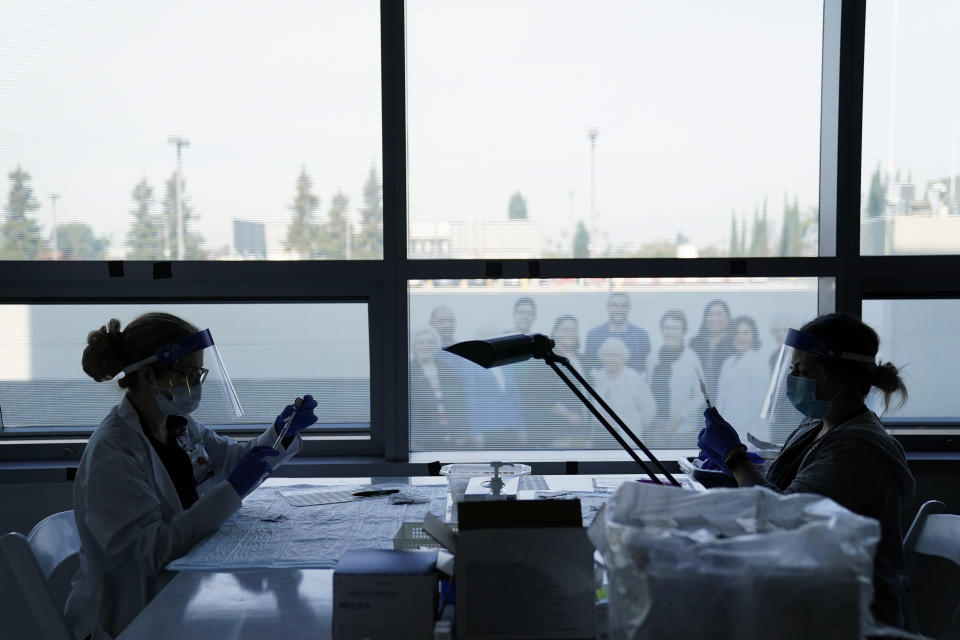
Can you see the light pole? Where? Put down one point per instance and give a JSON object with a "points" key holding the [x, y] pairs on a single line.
{"points": [[180, 143], [592, 134], [53, 224]]}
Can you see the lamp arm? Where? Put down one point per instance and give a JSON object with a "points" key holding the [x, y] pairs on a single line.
{"points": [[551, 359]]}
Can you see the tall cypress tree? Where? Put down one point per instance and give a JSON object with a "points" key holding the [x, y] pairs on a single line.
{"points": [[875, 200], [21, 236], [333, 244], [368, 242], [734, 250], [581, 241], [304, 232], [192, 250], [145, 236]]}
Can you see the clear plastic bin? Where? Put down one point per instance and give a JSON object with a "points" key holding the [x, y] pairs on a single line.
{"points": [[458, 477]]}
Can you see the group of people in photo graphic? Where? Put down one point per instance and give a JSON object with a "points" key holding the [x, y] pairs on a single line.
{"points": [[656, 392]]}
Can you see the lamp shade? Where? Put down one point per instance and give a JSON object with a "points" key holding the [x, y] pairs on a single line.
{"points": [[495, 352]]}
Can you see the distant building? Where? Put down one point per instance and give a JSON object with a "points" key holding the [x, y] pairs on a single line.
{"points": [[915, 225], [250, 240]]}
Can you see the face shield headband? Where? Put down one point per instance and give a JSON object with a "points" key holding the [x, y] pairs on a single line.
{"points": [[776, 406], [182, 347]]}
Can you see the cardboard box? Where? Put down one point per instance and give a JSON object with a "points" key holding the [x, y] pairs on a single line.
{"points": [[524, 570], [380, 593]]}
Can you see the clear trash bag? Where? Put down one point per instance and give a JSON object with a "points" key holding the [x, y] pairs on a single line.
{"points": [[734, 563]]}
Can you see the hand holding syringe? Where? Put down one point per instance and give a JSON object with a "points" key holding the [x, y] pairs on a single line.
{"points": [[286, 423], [703, 387]]}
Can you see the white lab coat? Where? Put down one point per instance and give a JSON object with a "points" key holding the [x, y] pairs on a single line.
{"points": [[742, 386], [628, 394], [132, 523], [686, 399]]}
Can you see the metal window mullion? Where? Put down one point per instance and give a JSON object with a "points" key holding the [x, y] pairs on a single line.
{"points": [[395, 402], [849, 136]]}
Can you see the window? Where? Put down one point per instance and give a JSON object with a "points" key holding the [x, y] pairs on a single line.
{"points": [[639, 342], [922, 337], [548, 130], [272, 352], [910, 200], [227, 131]]}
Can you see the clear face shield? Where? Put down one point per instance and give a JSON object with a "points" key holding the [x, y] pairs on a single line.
{"points": [[191, 368], [792, 391]]}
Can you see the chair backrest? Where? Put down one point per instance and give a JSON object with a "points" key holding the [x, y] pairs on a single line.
{"points": [[932, 537], [55, 542], [45, 617]]}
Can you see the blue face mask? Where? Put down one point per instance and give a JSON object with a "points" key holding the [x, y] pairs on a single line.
{"points": [[183, 402], [802, 394]]}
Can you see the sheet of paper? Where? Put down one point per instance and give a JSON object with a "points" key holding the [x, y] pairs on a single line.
{"points": [[308, 498]]}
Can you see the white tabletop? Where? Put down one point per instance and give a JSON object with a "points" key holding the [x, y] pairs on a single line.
{"points": [[276, 604], [273, 603]]}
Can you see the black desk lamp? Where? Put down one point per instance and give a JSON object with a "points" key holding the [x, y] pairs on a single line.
{"points": [[517, 348]]}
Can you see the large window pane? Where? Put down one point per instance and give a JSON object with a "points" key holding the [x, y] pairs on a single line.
{"points": [[619, 129], [910, 191], [922, 337], [638, 341], [254, 124], [272, 352]]}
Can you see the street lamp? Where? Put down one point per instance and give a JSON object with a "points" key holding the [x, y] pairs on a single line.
{"points": [[179, 143], [592, 134], [53, 224]]}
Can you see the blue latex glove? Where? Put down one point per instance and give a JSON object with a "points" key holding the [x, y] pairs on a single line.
{"points": [[251, 469], [303, 418], [717, 435]]}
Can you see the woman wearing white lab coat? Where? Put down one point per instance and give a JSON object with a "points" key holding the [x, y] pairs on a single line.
{"points": [[675, 387], [743, 381], [151, 484], [623, 388]]}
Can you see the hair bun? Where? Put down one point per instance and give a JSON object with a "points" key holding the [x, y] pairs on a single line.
{"points": [[103, 357]]}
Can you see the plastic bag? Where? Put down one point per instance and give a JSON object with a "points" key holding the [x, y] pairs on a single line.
{"points": [[734, 563]]}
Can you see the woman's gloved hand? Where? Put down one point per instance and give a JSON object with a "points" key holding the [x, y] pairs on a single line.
{"points": [[303, 417], [717, 438], [251, 469]]}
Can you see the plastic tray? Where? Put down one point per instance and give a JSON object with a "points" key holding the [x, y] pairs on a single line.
{"points": [[411, 535]]}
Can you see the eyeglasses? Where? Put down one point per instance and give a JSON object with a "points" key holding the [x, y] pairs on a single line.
{"points": [[194, 376]]}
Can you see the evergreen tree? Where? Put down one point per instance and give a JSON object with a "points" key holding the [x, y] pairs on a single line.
{"points": [[21, 238], [791, 237], [333, 243], [77, 241], [581, 241], [368, 243], [145, 237], [176, 188], [734, 236], [518, 207], [304, 232], [875, 200], [758, 242]]}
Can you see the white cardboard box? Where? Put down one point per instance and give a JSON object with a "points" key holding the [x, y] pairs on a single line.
{"points": [[380, 593], [524, 583]]}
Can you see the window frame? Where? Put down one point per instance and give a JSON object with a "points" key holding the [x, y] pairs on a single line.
{"points": [[846, 278]]}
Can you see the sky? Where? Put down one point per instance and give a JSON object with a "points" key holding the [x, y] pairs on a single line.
{"points": [[701, 108]]}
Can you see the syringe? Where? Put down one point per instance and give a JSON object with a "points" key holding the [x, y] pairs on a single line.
{"points": [[703, 387], [286, 423]]}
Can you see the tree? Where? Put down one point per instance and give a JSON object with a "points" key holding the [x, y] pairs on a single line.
{"points": [[791, 236], [581, 241], [77, 241], [368, 243], [21, 237], [734, 235], [145, 237], [517, 209], [875, 200], [303, 234], [191, 241], [333, 243], [758, 242]]}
